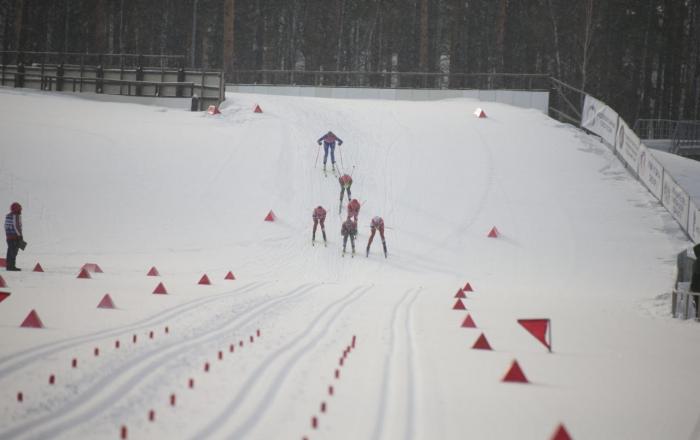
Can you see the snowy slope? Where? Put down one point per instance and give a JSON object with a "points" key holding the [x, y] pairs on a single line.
{"points": [[129, 187]]}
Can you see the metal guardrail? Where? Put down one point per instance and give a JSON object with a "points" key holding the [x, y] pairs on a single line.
{"points": [[683, 137], [163, 83], [107, 60], [393, 80], [565, 103]]}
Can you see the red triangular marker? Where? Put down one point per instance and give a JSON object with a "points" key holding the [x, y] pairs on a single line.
{"points": [[537, 328], [106, 302], [561, 433], [493, 233], [2, 282], [468, 288], [3, 296], [32, 320], [160, 288], [84, 274], [204, 280], [213, 110], [38, 268], [92, 267], [515, 374], [459, 305], [229, 276], [460, 294], [479, 113], [469, 322], [153, 272], [481, 343], [270, 217], [257, 109]]}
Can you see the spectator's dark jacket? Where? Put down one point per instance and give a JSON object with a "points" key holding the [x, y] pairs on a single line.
{"points": [[695, 281]]}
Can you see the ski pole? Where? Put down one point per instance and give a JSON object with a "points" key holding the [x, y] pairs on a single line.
{"points": [[317, 153]]}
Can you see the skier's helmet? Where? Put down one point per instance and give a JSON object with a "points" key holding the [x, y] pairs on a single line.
{"points": [[16, 208]]}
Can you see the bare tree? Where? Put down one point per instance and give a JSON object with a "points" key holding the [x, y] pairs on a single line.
{"points": [[555, 33], [228, 54], [587, 39], [501, 33], [424, 37]]}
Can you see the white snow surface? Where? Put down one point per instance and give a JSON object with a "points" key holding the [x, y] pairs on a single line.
{"points": [[129, 187]]}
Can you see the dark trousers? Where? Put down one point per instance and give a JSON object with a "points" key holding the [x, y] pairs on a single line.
{"points": [[342, 191], [326, 149], [323, 229], [352, 241], [12, 250], [371, 236]]}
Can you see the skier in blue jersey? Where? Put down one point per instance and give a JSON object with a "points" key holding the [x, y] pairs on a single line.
{"points": [[329, 140]]}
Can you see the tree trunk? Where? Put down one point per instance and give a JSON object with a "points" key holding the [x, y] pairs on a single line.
{"points": [[555, 32], [424, 37], [587, 38], [19, 16], [100, 13], [228, 55], [500, 34]]}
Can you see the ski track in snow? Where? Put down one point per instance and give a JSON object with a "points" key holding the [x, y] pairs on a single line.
{"points": [[310, 336], [25, 358], [389, 401], [102, 395]]}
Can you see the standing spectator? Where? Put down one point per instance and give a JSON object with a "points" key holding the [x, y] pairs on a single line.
{"points": [[695, 281], [13, 233]]}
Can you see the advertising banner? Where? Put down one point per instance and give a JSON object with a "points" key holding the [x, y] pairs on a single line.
{"points": [[676, 201], [627, 145], [650, 171], [599, 119]]}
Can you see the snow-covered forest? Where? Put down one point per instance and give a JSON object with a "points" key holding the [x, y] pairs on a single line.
{"points": [[641, 57]]}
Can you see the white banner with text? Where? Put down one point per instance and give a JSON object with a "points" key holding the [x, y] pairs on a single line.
{"points": [[600, 119], [651, 172], [676, 201]]}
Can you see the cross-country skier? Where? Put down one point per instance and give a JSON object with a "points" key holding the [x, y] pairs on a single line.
{"points": [[13, 234], [377, 224], [329, 140], [353, 209], [349, 229], [319, 216], [345, 184]]}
